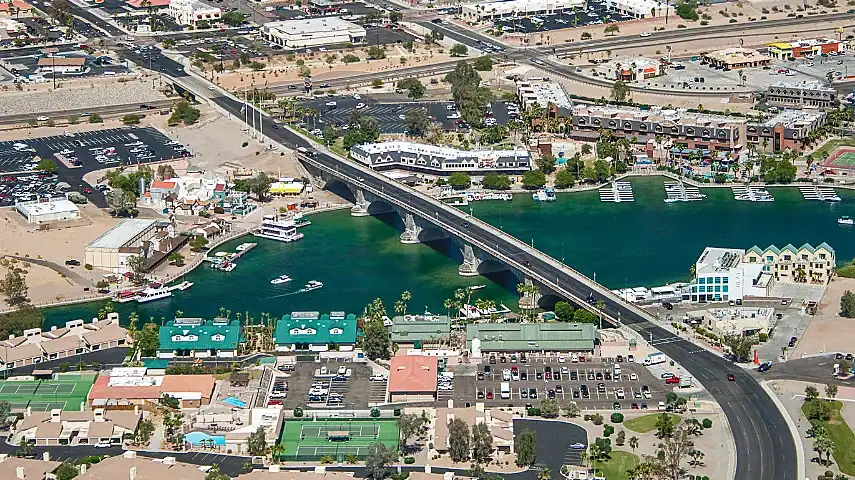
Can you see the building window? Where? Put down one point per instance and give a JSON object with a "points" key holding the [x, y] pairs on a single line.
{"points": [[717, 289], [822, 256], [786, 258], [724, 279], [709, 280], [717, 279], [769, 258], [701, 280], [724, 288]]}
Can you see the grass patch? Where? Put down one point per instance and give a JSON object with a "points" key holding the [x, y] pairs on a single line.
{"points": [[847, 271], [615, 467], [841, 435], [830, 145], [647, 423]]}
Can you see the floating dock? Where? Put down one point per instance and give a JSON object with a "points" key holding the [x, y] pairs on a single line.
{"points": [[617, 192], [751, 193], [815, 192], [680, 192]]}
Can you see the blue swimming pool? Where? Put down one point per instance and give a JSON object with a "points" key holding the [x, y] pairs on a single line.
{"points": [[196, 438], [236, 402]]}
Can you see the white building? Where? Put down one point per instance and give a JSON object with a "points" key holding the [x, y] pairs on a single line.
{"points": [[721, 276], [535, 92], [638, 8], [61, 64], [740, 321], [313, 32], [112, 249], [52, 210], [432, 159], [190, 12], [518, 8]]}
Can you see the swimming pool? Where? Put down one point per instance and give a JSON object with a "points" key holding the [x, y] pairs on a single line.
{"points": [[235, 402], [196, 438]]}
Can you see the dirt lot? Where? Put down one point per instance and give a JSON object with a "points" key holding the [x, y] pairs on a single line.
{"points": [[829, 332]]}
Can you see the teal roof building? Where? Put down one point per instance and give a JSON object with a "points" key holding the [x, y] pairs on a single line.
{"points": [[311, 331], [200, 338]]}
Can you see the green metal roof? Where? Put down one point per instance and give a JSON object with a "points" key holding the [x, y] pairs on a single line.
{"points": [[156, 363], [557, 336], [316, 329], [199, 334], [792, 249], [410, 331]]}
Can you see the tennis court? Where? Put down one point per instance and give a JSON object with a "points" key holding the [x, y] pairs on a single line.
{"points": [[841, 157], [63, 392], [309, 440]]}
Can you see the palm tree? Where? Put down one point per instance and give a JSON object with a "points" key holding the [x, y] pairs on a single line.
{"points": [[448, 304], [176, 258], [601, 305], [633, 443], [351, 459], [545, 474], [399, 307], [823, 444], [277, 451], [406, 296]]}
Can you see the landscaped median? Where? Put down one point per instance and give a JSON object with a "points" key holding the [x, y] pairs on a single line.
{"points": [[832, 437], [647, 423]]}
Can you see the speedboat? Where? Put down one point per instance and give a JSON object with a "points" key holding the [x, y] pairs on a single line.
{"points": [[539, 196], [476, 287], [673, 200], [280, 279], [184, 285], [833, 198], [313, 285], [846, 221]]}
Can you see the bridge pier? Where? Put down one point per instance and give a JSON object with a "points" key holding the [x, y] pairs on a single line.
{"points": [[411, 231], [360, 209], [471, 262]]}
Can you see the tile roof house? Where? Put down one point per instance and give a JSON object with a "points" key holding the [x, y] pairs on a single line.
{"points": [[413, 378], [22, 468], [499, 423], [314, 332], [57, 427], [130, 466], [198, 338]]}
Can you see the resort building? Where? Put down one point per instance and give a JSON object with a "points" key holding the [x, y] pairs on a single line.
{"points": [[313, 32], [498, 10], [630, 69], [787, 130], [420, 331], [739, 321], [61, 65], [58, 427], [313, 332], [736, 58], [805, 264], [803, 48], [123, 387], [54, 209], [128, 466], [482, 338], [637, 8], [701, 131], [198, 338], [800, 95], [543, 93], [413, 378], [435, 160], [189, 194], [191, 12], [499, 423]]}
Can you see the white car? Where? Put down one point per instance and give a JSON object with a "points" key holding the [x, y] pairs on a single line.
{"points": [[633, 376], [317, 132], [445, 386], [360, 106], [331, 103], [42, 118], [322, 49], [402, 116], [453, 116], [578, 446], [619, 394], [342, 370], [644, 34], [357, 96], [103, 444], [378, 378], [211, 87], [561, 359]]}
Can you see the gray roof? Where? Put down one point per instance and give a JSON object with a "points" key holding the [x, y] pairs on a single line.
{"points": [[122, 233], [557, 336]]}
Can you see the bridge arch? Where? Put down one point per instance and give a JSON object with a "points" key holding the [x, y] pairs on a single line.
{"points": [[491, 266], [548, 300], [379, 207], [341, 189]]}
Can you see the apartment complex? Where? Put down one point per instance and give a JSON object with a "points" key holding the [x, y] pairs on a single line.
{"points": [[435, 160], [198, 338], [800, 95], [311, 331], [788, 129], [805, 264], [803, 48], [58, 427]]}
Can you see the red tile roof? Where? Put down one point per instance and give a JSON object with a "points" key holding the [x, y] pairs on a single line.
{"points": [[171, 384], [18, 4], [221, 187], [154, 3], [164, 185], [412, 374]]}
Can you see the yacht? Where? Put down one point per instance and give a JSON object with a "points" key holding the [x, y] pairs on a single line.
{"points": [[124, 297], [280, 279], [846, 221], [550, 194], [313, 285], [539, 196], [227, 266], [153, 293], [275, 229]]}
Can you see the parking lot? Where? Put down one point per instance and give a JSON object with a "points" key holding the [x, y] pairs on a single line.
{"points": [[596, 13], [345, 391], [390, 116], [27, 187], [27, 64], [546, 377]]}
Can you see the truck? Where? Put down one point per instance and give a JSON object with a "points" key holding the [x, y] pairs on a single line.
{"points": [[654, 359], [506, 390]]}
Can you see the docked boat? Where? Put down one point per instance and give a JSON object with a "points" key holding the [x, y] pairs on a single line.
{"points": [[124, 297], [301, 220], [280, 279], [673, 200], [543, 196], [184, 285], [153, 293], [550, 194], [273, 228], [846, 221], [226, 266], [313, 285], [476, 287], [833, 198], [244, 246]]}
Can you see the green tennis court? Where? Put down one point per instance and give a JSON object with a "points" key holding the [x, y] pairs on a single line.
{"points": [[841, 157], [63, 392], [309, 440]]}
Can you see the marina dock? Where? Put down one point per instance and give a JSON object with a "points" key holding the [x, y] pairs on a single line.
{"points": [[751, 193], [226, 261], [815, 192], [617, 192], [680, 192]]}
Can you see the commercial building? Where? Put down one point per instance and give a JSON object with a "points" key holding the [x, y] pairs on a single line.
{"points": [[112, 249], [313, 32], [55, 209], [419, 331], [804, 48], [499, 423], [739, 321], [721, 276], [197, 338], [736, 58], [788, 129], [189, 194], [800, 95], [61, 65], [637, 8], [543, 93], [435, 160], [133, 386], [128, 466], [191, 12], [413, 378], [805, 264], [701, 131], [630, 69], [57, 427], [483, 338], [311, 331], [497, 10]]}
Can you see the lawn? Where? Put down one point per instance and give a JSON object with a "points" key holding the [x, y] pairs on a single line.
{"points": [[647, 423], [841, 435], [832, 144], [615, 468]]}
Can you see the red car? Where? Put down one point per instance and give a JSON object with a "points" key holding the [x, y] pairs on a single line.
{"points": [[489, 395], [547, 375], [730, 377], [672, 380], [274, 402], [87, 190]]}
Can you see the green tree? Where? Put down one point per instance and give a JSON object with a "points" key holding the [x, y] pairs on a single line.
{"points": [[233, 18], [417, 122], [47, 165], [546, 163], [256, 443], [823, 444], [534, 179], [415, 89], [525, 447], [620, 91], [395, 17], [121, 202], [260, 185], [184, 112], [549, 408], [831, 390], [611, 29], [176, 258], [686, 10], [376, 53], [496, 181], [198, 243], [564, 178], [165, 171], [847, 304], [564, 311], [664, 426], [459, 50], [583, 316], [147, 341], [601, 170], [459, 440], [5, 412], [131, 119], [215, 474], [65, 471], [811, 393], [95, 118], [572, 409], [378, 460], [482, 442], [14, 289], [740, 346], [459, 180], [409, 425], [145, 430], [483, 63]]}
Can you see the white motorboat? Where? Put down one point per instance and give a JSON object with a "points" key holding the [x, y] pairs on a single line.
{"points": [[273, 228], [280, 279], [313, 285], [476, 287], [673, 200], [833, 198], [184, 285], [846, 221], [151, 294]]}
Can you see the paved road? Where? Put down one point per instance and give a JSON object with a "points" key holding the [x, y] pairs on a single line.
{"points": [[812, 369]]}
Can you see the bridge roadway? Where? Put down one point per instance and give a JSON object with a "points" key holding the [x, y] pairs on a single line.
{"points": [[764, 445]]}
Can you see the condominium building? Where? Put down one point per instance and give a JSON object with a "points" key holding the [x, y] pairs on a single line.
{"points": [[198, 338], [436, 160], [313, 332], [800, 95], [313, 32], [805, 264], [497, 10], [788, 129]]}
